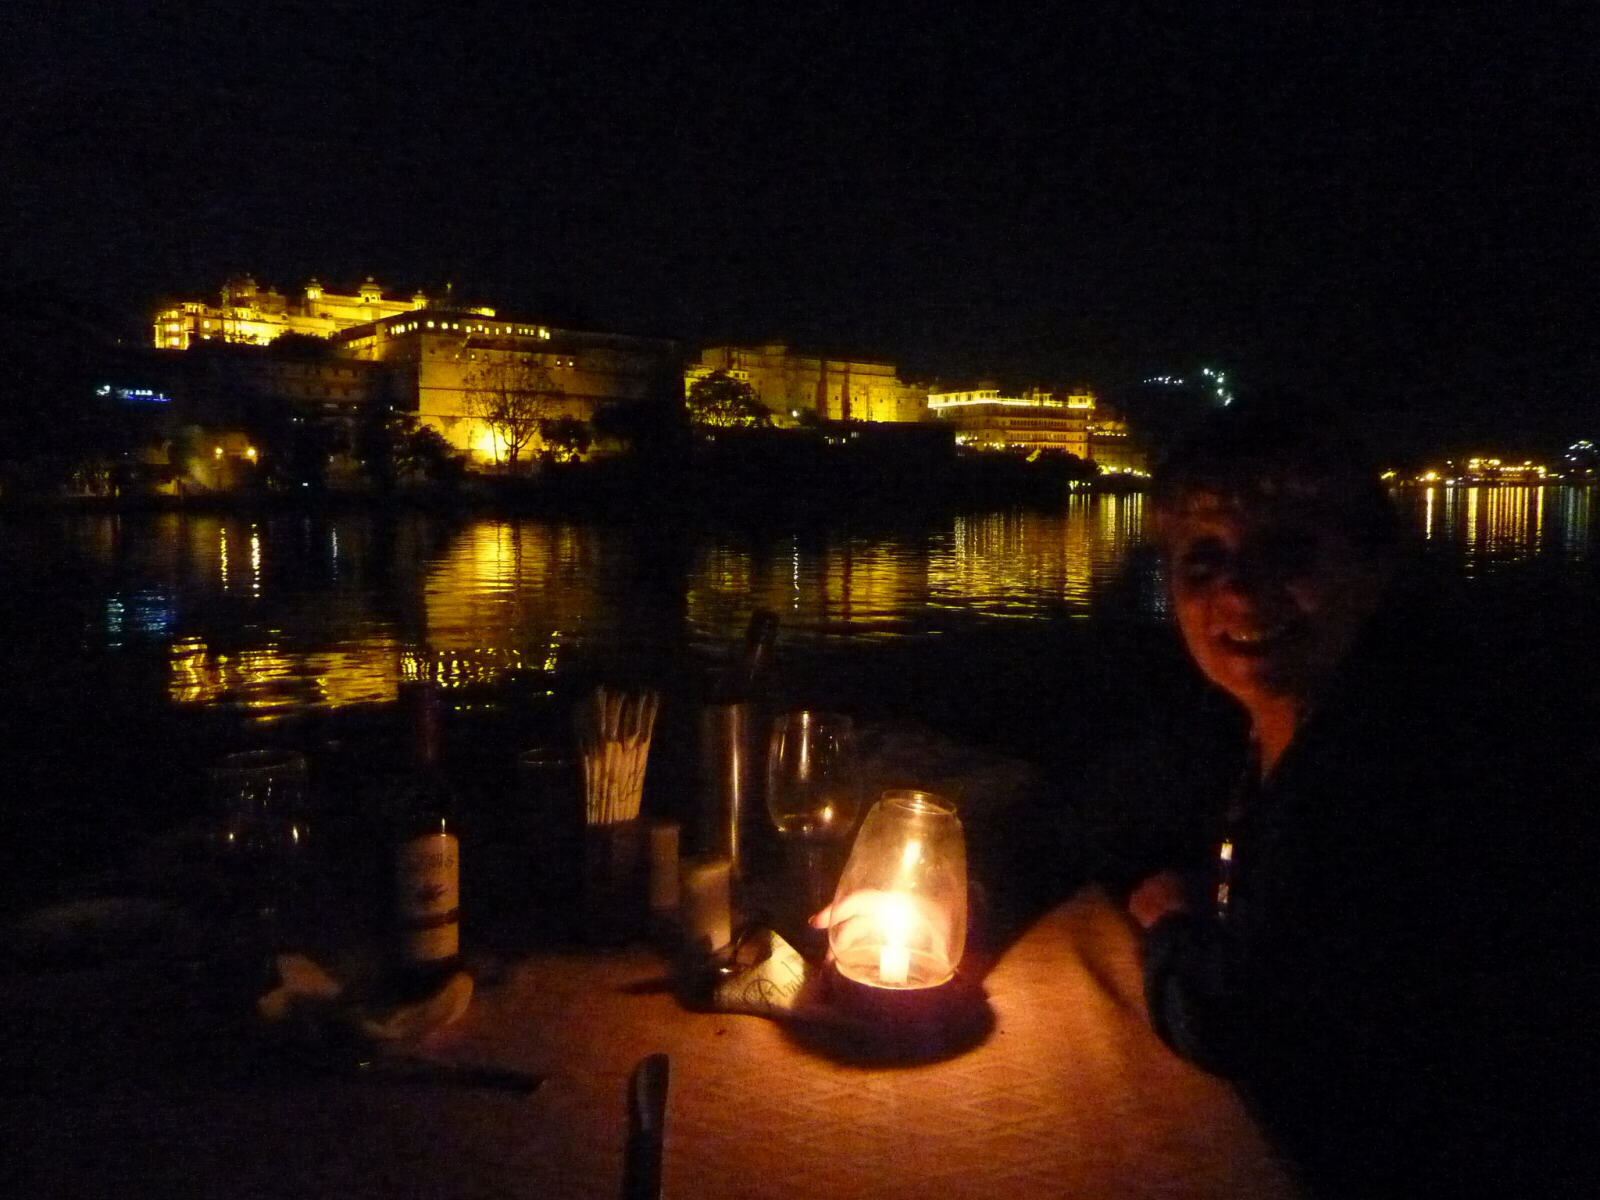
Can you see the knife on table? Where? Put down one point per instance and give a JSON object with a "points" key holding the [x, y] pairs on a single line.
{"points": [[647, 1113], [415, 1069]]}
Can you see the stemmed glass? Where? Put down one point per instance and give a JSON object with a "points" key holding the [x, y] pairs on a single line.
{"points": [[259, 801], [813, 793]]}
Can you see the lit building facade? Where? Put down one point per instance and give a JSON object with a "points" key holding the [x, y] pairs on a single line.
{"points": [[1037, 420], [256, 316], [444, 358], [1113, 446], [833, 389], [229, 384]]}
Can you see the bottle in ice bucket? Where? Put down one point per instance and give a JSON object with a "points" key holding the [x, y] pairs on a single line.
{"points": [[427, 857], [729, 803]]}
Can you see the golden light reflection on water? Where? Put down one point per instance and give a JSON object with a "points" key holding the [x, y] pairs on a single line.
{"points": [[260, 620], [1017, 564], [1499, 525], [1031, 565], [1574, 517], [850, 587], [276, 615], [512, 585], [267, 681]]}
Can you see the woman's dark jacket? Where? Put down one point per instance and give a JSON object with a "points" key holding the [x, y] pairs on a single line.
{"points": [[1389, 987]]}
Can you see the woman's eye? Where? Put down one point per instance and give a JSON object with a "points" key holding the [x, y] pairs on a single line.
{"points": [[1201, 564], [1289, 553]]}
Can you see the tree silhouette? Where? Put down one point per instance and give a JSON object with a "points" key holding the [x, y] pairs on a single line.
{"points": [[723, 402], [565, 438], [513, 396]]}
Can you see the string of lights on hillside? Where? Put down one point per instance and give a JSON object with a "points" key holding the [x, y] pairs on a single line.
{"points": [[1214, 382]]}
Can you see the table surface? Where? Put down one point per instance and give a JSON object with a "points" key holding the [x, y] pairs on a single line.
{"points": [[1069, 1095]]}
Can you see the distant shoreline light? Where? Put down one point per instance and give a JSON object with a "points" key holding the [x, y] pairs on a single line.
{"points": [[133, 395]]}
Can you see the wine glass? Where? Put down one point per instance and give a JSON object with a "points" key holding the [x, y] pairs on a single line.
{"points": [[813, 792], [259, 801]]}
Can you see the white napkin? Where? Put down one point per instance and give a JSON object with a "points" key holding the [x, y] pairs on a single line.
{"points": [[309, 993]]}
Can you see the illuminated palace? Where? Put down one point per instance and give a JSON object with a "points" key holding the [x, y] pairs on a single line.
{"points": [[834, 389], [793, 384], [430, 360], [449, 357], [439, 361], [256, 316], [1040, 419]]}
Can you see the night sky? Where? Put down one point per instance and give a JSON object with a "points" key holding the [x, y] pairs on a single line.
{"points": [[1393, 206]]}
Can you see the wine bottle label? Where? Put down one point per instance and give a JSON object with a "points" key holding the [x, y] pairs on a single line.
{"points": [[433, 944], [428, 897]]}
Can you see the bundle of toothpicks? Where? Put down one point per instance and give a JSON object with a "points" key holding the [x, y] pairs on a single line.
{"points": [[614, 736]]}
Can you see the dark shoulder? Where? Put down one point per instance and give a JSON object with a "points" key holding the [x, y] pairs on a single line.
{"points": [[1152, 802]]}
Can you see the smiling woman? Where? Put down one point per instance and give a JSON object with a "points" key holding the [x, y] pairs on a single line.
{"points": [[1280, 543], [1361, 956]]}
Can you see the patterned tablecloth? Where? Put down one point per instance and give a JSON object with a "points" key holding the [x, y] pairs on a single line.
{"points": [[1070, 1095]]}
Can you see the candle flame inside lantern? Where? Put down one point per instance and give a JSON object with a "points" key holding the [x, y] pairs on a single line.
{"points": [[910, 855], [894, 958], [898, 919]]}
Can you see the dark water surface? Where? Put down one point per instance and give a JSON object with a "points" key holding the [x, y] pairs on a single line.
{"points": [[137, 647]]}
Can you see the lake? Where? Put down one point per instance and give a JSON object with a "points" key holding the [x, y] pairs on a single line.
{"points": [[136, 646]]}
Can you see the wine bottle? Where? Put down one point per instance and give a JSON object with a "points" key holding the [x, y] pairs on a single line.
{"points": [[726, 767], [427, 858], [758, 638]]}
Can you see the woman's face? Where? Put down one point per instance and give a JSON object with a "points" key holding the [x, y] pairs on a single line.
{"points": [[1270, 600]]}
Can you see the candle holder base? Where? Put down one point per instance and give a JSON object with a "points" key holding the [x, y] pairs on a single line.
{"points": [[853, 1022]]}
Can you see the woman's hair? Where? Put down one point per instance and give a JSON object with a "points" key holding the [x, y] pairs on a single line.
{"points": [[1279, 456]]}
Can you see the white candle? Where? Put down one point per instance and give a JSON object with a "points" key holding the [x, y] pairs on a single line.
{"points": [[894, 956], [705, 897], [894, 963], [664, 885]]}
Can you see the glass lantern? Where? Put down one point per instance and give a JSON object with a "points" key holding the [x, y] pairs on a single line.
{"points": [[899, 916]]}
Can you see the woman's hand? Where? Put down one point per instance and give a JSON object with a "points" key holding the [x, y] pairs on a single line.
{"points": [[915, 920], [1155, 897]]}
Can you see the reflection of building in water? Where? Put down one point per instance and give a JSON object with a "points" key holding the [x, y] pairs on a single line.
{"points": [[496, 602], [509, 595], [255, 315], [1429, 513], [478, 667], [140, 615], [1030, 564], [268, 682], [1575, 517], [1499, 523], [1017, 564], [858, 589], [1120, 521], [300, 591], [868, 588], [1022, 564], [792, 383]]}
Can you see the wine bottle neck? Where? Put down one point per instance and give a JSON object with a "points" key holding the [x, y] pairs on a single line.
{"points": [[737, 681], [422, 705]]}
